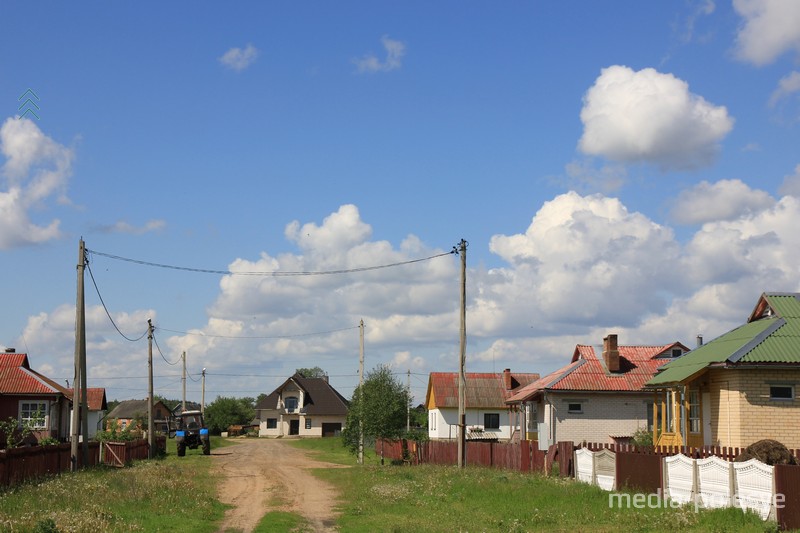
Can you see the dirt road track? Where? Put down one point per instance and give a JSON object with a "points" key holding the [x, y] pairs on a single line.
{"points": [[263, 475]]}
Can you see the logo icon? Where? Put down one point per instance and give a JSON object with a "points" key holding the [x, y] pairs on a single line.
{"points": [[29, 104]]}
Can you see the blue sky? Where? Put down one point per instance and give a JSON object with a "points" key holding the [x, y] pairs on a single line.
{"points": [[621, 167]]}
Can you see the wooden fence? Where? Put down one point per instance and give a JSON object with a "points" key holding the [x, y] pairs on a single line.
{"points": [[636, 468], [32, 462]]}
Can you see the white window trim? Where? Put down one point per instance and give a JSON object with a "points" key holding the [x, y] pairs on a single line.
{"points": [[45, 403]]}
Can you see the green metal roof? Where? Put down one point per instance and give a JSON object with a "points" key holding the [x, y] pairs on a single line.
{"points": [[772, 337]]}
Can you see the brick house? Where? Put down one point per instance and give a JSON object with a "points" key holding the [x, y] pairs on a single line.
{"points": [[740, 387], [594, 399], [133, 414], [303, 407], [487, 414]]}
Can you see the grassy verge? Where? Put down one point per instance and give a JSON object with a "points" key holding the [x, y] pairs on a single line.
{"points": [[170, 494], [435, 498]]}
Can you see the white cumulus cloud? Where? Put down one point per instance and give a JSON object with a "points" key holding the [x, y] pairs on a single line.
{"points": [[722, 200], [791, 183], [647, 116], [239, 59], [36, 169], [771, 27]]}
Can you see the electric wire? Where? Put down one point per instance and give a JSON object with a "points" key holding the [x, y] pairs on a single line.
{"points": [[274, 273], [100, 296], [312, 334], [178, 360]]}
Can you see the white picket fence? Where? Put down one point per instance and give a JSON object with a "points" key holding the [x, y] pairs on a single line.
{"points": [[713, 482], [709, 483]]}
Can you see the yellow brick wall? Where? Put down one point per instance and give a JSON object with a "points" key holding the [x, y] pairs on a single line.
{"points": [[742, 412]]}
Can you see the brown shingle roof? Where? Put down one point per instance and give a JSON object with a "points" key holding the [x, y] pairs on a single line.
{"points": [[320, 397], [484, 390]]}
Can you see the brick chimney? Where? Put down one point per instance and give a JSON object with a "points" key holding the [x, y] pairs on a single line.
{"points": [[611, 353], [507, 378]]}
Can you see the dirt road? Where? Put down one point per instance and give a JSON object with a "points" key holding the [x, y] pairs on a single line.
{"points": [[263, 475]]}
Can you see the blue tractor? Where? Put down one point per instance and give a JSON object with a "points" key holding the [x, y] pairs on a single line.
{"points": [[191, 432]]}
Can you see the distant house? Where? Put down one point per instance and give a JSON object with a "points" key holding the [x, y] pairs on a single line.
{"points": [[594, 398], [740, 387], [32, 399], [304, 407], [128, 414], [97, 406], [487, 415]]}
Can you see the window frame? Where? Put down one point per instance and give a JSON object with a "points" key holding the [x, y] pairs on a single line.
{"points": [[296, 402], [42, 406], [272, 423], [694, 413], [486, 419], [774, 398], [308, 424], [573, 410]]}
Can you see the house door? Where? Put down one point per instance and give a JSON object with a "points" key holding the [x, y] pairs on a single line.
{"points": [[706, 401], [294, 426]]}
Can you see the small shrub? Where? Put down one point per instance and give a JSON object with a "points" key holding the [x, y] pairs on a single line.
{"points": [[46, 525], [48, 441], [642, 437]]}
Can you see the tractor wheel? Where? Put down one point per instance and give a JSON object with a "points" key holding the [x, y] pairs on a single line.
{"points": [[206, 448], [181, 449]]}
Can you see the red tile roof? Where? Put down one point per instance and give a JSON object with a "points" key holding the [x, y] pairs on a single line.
{"points": [[588, 372], [16, 377], [95, 397], [484, 390]]}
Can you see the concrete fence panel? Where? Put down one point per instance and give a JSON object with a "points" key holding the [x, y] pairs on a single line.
{"points": [[755, 484], [680, 479], [715, 486]]}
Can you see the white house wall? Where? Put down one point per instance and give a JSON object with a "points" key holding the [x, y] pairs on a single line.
{"points": [[443, 423], [282, 424], [602, 416]]}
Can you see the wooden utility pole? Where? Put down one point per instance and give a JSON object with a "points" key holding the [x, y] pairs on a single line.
{"points": [[183, 379], [361, 392], [203, 394], [150, 424], [462, 378], [79, 379], [408, 401]]}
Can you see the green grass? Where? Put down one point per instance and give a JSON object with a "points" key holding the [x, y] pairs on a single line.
{"points": [[179, 494], [169, 494], [436, 498]]}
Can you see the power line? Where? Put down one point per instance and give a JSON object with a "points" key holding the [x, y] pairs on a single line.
{"points": [[201, 334], [178, 360], [91, 275], [274, 273]]}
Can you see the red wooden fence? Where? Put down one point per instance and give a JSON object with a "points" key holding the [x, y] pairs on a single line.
{"points": [[31, 462]]}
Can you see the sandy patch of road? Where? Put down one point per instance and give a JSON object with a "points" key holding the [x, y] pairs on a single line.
{"points": [[263, 475]]}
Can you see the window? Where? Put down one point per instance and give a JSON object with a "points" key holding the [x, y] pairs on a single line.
{"points": [[491, 421], [308, 423], [575, 407], [677, 352], [781, 392], [291, 404], [272, 423], [694, 411], [432, 420], [32, 414]]}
